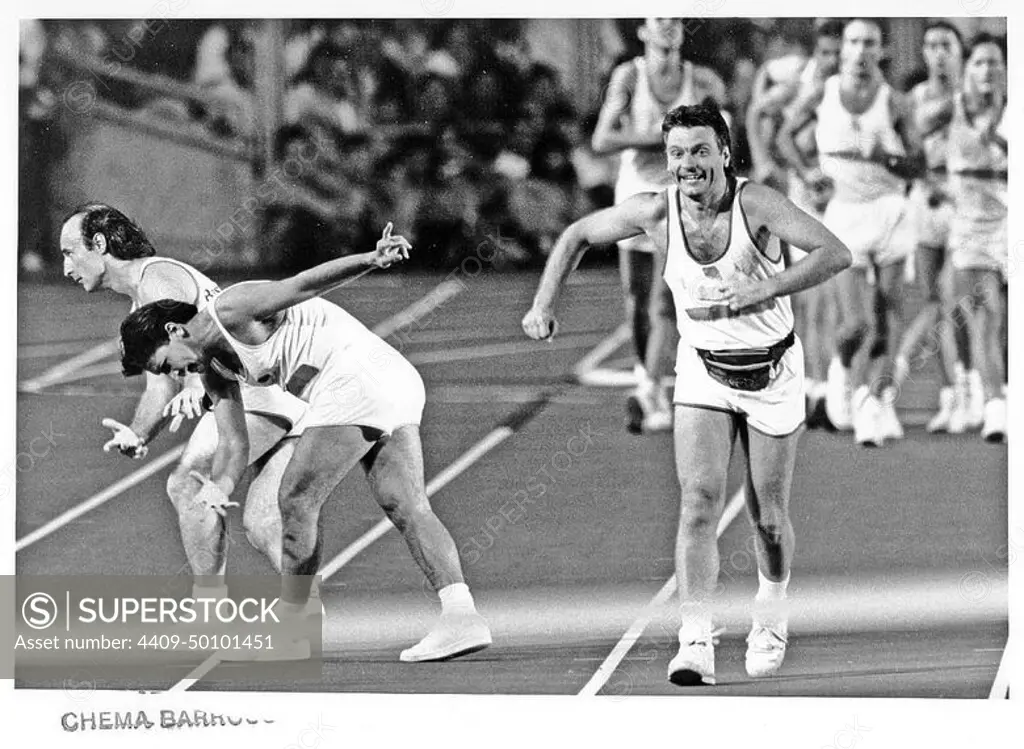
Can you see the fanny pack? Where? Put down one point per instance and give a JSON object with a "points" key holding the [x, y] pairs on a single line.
{"points": [[745, 368]]}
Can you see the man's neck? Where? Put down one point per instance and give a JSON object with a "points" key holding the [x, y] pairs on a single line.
{"points": [[122, 276], [708, 204], [861, 80], [942, 81]]}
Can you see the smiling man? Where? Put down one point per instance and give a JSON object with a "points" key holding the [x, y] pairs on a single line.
{"points": [[739, 367]]}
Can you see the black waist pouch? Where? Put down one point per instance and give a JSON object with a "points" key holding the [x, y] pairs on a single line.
{"points": [[745, 368]]}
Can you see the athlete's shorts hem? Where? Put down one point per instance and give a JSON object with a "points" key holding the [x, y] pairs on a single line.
{"points": [[790, 433]]}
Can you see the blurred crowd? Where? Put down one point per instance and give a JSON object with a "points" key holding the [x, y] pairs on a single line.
{"points": [[451, 128]]}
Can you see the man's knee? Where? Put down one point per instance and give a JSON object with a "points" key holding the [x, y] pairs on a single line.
{"points": [[402, 506], [699, 501], [181, 486]]}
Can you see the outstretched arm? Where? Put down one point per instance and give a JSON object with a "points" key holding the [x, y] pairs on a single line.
{"points": [[762, 126], [232, 454], [278, 295], [634, 216]]}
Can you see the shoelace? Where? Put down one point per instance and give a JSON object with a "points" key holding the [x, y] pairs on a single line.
{"points": [[766, 638]]}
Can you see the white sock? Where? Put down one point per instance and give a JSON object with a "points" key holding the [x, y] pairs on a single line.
{"points": [[456, 597], [810, 388], [769, 590], [694, 622], [959, 373]]}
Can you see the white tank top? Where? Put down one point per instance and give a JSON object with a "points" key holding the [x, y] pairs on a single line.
{"points": [[977, 167], [845, 140], [704, 320], [206, 289], [309, 337], [646, 113]]}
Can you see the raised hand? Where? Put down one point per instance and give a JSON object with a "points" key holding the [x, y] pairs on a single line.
{"points": [[391, 249], [124, 440]]}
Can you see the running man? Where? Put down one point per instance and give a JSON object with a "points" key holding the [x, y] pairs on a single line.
{"points": [[365, 402], [815, 308], [639, 94], [104, 249], [978, 168], [869, 149], [739, 367], [932, 102]]}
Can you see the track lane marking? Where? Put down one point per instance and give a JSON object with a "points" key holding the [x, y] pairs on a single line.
{"points": [[636, 629]]}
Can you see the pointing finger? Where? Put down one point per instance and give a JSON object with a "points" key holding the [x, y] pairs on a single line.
{"points": [[176, 422], [111, 424], [387, 230]]}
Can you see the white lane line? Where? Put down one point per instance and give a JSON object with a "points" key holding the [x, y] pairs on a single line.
{"points": [[468, 458], [486, 350], [1001, 685], [440, 294], [96, 500], [602, 351], [45, 350], [636, 629], [61, 371]]}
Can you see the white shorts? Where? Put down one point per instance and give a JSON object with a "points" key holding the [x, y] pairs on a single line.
{"points": [[979, 245], [376, 388], [626, 187], [931, 224], [878, 232], [262, 435], [274, 401], [778, 410]]}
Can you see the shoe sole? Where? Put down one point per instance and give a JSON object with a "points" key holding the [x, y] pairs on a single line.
{"points": [[763, 674], [459, 649], [995, 438], [634, 415]]}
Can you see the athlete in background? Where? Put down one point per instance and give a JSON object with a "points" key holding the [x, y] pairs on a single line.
{"points": [[639, 94]]}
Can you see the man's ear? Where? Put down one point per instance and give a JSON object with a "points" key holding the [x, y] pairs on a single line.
{"points": [[99, 243], [642, 33], [727, 155]]}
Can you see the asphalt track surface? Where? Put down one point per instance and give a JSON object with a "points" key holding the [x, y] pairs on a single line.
{"points": [[909, 540]]}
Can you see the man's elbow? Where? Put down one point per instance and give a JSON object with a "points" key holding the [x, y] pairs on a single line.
{"points": [[842, 259]]}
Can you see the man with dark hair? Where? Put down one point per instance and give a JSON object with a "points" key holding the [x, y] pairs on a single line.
{"points": [[978, 165], [739, 368], [104, 249], [639, 94], [868, 150], [365, 402], [815, 308]]}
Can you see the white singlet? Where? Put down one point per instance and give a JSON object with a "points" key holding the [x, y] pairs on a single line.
{"points": [[645, 170], [706, 322], [869, 210], [347, 374], [272, 401], [978, 166]]}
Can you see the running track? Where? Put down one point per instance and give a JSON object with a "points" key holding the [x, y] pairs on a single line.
{"points": [[898, 550]]}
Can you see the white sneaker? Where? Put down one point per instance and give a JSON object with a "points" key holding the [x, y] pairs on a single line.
{"points": [[766, 648], [838, 395], [867, 413], [994, 427], [940, 422], [640, 402], [659, 418], [694, 664], [975, 400], [958, 416], [889, 426], [455, 634]]}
